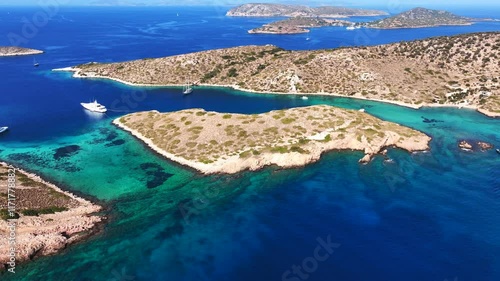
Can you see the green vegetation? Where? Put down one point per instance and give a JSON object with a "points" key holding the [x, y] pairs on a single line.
{"points": [[4, 215], [211, 74], [287, 120], [232, 72], [305, 60], [44, 211], [279, 149]]}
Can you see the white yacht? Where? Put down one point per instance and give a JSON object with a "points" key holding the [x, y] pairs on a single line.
{"points": [[305, 98], [3, 129], [94, 107]]}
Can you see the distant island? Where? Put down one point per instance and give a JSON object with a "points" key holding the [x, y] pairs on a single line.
{"points": [[414, 18], [213, 142], [420, 17], [459, 71], [297, 25], [47, 218], [18, 51], [281, 10]]}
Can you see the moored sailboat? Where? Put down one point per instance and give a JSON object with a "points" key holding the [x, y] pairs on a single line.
{"points": [[187, 89]]}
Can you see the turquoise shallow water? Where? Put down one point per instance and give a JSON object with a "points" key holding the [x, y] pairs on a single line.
{"points": [[220, 227], [426, 216]]}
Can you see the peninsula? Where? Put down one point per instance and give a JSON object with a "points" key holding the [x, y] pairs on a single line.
{"points": [[18, 51], [281, 10], [46, 218], [420, 17], [212, 142], [459, 71], [297, 25]]}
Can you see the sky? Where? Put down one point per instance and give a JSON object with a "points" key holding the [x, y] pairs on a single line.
{"points": [[358, 3]]}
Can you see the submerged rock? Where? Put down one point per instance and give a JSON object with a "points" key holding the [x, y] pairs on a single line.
{"points": [[66, 151], [156, 176], [115, 143]]}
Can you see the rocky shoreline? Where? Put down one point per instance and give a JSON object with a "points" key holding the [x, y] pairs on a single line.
{"points": [[220, 149], [46, 219], [17, 51], [81, 74]]}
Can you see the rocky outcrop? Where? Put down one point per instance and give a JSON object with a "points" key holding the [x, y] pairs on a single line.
{"points": [[34, 229], [484, 145], [474, 145], [464, 145]]}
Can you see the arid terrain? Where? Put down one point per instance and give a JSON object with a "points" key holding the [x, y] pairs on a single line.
{"points": [[17, 51], [420, 17], [214, 142], [459, 71], [414, 18], [47, 219], [281, 10], [298, 25]]}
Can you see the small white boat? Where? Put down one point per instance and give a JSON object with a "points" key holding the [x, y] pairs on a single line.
{"points": [[35, 63], [362, 110], [498, 151], [305, 98], [350, 28], [307, 39], [3, 129], [94, 107], [187, 89]]}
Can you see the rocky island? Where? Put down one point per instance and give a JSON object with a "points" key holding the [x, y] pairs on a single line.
{"points": [[297, 25], [420, 17], [415, 18], [46, 218], [18, 51], [281, 10], [213, 142], [459, 71]]}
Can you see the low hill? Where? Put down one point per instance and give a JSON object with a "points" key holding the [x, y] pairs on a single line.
{"points": [[298, 25], [280, 10], [213, 142], [458, 70], [420, 17], [17, 51]]}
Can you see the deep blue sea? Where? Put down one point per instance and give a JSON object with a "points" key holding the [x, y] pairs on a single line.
{"points": [[425, 216]]}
